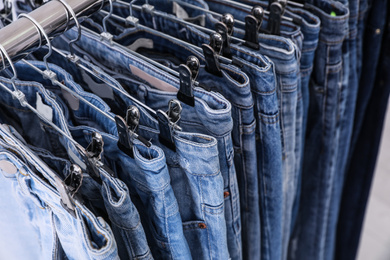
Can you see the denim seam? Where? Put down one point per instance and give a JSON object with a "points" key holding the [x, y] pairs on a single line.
{"points": [[269, 122], [125, 228], [219, 101], [106, 247], [150, 162], [264, 204], [306, 17], [111, 200], [235, 82], [264, 92], [147, 189], [212, 141], [137, 60], [251, 126]]}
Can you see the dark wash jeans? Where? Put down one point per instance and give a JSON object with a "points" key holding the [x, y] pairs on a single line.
{"points": [[348, 100], [310, 28], [309, 237], [364, 154]]}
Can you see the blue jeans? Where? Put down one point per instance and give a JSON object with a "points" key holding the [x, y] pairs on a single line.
{"points": [[84, 236], [243, 135], [200, 245], [113, 194], [323, 129], [161, 22], [369, 119], [310, 28], [261, 73], [286, 58], [234, 85], [33, 228], [348, 97], [127, 227], [174, 244]]}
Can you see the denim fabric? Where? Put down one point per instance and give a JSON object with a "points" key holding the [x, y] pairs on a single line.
{"points": [[23, 220], [171, 243], [363, 22], [168, 242], [261, 73], [346, 116], [363, 154], [130, 233], [285, 56], [310, 28], [33, 129], [288, 54], [370, 32], [114, 195], [234, 85], [209, 109], [82, 237], [323, 130]]}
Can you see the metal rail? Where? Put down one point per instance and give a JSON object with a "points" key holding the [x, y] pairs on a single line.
{"points": [[21, 36]]}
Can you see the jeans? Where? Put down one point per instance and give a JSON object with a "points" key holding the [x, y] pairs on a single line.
{"points": [[159, 22], [285, 56], [127, 229], [310, 28], [373, 18], [235, 87], [323, 129], [114, 195], [203, 243], [369, 120], [83, 236], [348, 97], [261, 73], [243, 136], [34, 228], [174, 244]]}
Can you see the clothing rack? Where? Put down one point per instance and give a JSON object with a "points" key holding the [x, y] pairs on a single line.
{"points": [[19, 37]]}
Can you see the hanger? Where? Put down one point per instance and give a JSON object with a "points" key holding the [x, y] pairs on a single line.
{"points": [[210, 51], [167, 120], [132, 20], [127, 127], [74, 59], [68, 187]]}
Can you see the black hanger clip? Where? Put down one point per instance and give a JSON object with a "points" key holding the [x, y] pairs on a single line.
{"points": [[168, 123], [225, 29], [127, 131], [252, 27], [188, 74], [69, 187], [211, 53], [275, 17]]}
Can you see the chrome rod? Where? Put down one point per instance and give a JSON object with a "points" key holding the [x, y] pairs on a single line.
{"points": [[19, 37]]}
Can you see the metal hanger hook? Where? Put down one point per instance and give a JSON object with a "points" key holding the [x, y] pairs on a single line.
{"points": [[131, 6], [107, 17], [15, 76], [42, 33], [70, 10]]}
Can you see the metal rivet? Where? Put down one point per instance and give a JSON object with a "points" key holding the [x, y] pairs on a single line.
{"points": [[202, 225], [378, 31], [226, 194]]}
